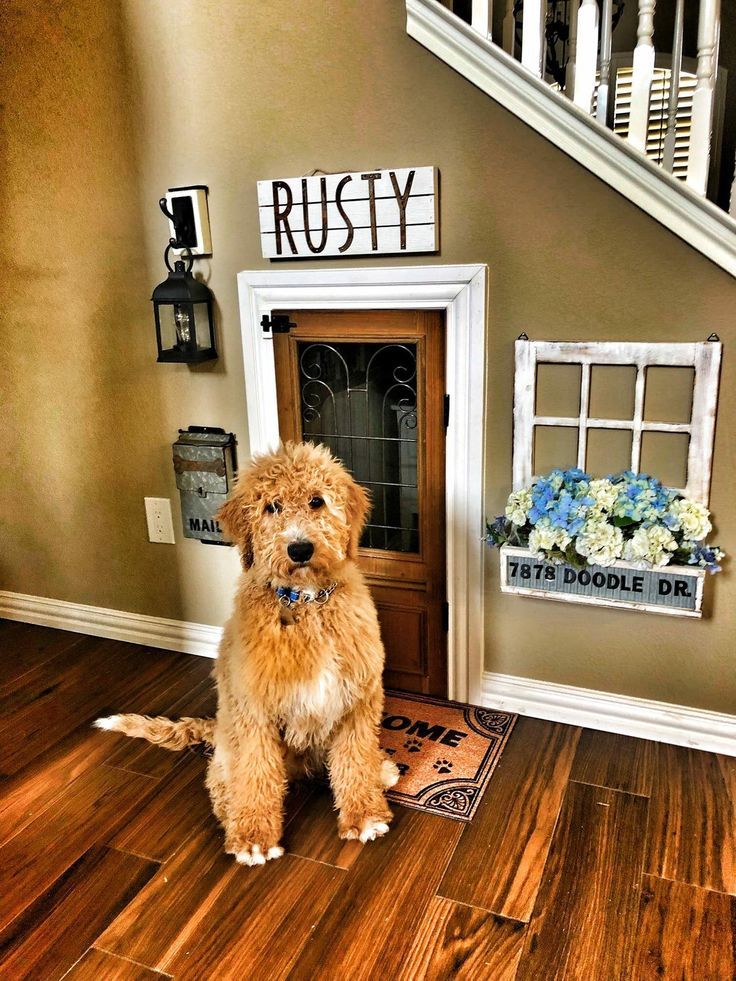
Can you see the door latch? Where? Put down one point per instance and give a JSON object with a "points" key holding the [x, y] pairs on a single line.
{"points": [[279, 323]]}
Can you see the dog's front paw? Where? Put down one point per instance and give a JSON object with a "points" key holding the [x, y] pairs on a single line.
{"points": [[365, 828], [256, 854], [249, 852], [389, 773]]}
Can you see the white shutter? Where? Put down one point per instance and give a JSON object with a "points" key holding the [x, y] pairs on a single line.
{"points": [[657, 128]]}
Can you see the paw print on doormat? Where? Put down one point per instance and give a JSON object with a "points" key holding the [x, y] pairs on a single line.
{"points": [[403, 768], [442, 766], [413, 745]]}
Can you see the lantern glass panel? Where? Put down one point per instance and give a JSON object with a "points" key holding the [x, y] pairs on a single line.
{"points": [[176, 321], [202, 324]]}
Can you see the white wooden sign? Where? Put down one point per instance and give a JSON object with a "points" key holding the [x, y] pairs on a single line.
{"points": [[375, 212]]}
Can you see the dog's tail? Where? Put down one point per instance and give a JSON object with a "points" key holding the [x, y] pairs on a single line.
{"points": [[174, 734]]}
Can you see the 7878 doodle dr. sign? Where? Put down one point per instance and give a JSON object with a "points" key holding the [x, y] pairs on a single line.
{"points": [[673, 589]]}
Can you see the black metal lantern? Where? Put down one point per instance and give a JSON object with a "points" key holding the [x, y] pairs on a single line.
{"points": [[182, 306]]}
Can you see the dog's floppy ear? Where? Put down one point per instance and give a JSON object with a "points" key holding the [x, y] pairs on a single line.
{"points": [[235, 518], [358, 508]]}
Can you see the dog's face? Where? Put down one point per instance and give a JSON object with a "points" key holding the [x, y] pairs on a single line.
{"points": [[296, 514]]}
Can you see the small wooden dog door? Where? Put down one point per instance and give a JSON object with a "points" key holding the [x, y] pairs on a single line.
{"points": [[370, 385]]}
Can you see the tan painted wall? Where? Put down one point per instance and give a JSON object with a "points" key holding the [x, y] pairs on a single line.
{"points": [[107, 104]]}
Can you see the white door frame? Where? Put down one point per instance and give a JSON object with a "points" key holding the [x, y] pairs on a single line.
{"points": [[461, 292]]}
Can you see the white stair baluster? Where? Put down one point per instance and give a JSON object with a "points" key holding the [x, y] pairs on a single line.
{"points": [[533, 40], [587, 54], [572, 48], [668, 151], [601, 111], [709, 27], [482, 17], [509, 28], [642, 77], [732, 204]]}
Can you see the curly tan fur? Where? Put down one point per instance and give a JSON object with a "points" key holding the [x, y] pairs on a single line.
{"points": [[298, 688]]}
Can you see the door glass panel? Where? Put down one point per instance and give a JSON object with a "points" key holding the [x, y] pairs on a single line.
{"points": [[361, 400]]}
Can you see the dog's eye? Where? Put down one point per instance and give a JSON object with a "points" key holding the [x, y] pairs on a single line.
{"points": [[273, 508], [316, 503]]}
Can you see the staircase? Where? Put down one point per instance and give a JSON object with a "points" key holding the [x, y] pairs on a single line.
{"points": [[646, 123]]}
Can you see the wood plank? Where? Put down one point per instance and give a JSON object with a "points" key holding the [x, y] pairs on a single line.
{"points": [[98, 964], [463, 943], [259, 923], [313, 833], [25, 647], [177, 809], [86, 813], [52, 700], [369, 927], [54, 932], [685, 933], [26, 794], [499, 862], [587, 908], [692, 820], [424, 182], [607, 759], [165, 913]]}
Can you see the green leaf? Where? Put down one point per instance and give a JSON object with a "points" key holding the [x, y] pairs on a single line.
{"points": [[621, 521]]}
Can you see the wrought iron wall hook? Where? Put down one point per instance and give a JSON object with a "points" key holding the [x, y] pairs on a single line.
{"points": [[176, 242], [164, 207], [173, 244]]}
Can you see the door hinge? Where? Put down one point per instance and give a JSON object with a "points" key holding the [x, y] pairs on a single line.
{"points": [[279, 323], [447, 411], [445, 616]]}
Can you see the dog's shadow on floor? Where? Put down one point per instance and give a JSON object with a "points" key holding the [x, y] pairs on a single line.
{"points": [[310, 825]]}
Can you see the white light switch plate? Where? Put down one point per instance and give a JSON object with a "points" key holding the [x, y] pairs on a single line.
{"points": [[158, 518]]}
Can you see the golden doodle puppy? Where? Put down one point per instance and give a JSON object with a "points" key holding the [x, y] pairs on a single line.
{"points": [[299, 670]]}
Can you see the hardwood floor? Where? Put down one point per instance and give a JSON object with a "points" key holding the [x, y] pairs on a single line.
{"points": [[592, 857]]}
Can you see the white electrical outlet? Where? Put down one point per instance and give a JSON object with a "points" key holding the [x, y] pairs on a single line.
{"points": [[158, 518]]}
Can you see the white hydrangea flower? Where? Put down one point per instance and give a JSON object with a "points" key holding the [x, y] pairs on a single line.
{"points": [[650, 546], [518, 506], [692, 518], [599, 542], [545, 537], [604, 493]]}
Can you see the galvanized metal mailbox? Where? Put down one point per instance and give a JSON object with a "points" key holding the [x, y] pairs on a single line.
{"points": [[204, 463]]}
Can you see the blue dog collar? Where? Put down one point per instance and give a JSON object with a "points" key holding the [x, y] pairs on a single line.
{"points": [[288, 595]]}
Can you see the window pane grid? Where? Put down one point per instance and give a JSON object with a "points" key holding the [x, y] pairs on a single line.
{"points": [[703, 358]]}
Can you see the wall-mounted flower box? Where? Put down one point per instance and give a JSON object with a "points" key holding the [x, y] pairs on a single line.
{"points": [[673, 589], [623, 540]]}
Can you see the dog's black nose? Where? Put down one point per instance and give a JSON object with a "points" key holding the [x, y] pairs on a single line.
{"points": [[300, 551]]}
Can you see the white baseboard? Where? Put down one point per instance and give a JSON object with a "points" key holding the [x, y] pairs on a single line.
{"points": [[647, 719], [624, 714], [135, 628]]}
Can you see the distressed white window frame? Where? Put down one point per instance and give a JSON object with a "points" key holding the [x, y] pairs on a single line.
{"points": [[703, 357], [460, 291]]}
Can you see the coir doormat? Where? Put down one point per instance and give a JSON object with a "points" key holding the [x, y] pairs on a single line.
{"points": [[446, 752]]}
